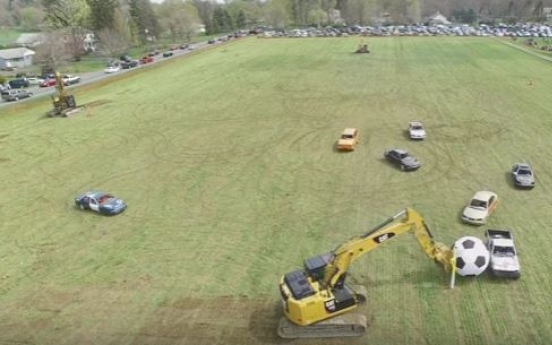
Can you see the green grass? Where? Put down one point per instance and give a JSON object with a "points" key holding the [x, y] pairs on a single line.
{"points": [[226, 160], [9, 36]]}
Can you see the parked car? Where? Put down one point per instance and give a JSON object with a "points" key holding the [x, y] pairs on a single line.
{"points": [[167, 54], [34, 80], [101, 202], [18, 83], [129, 64], [522, 174], [173, 48], [125, 57], [112, 69], [48, 82], [481, 205], [146, 59], [416, 130], [211, 41], [401, 158], [184, 46], [69, 79], [348, 140], [15, 94]]}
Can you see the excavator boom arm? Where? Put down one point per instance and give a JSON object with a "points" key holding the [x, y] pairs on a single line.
{"points": [[357, 246]]}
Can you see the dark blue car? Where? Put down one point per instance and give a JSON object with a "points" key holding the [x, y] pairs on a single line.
{"points": [[100, 202]]}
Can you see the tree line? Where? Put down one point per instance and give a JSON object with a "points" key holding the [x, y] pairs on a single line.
{"points": [[122, 23], [179, 17]]}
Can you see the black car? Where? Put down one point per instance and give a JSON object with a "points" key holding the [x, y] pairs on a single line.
{"points": [[129, 64], [19, 83], [402, 158], [184, 46], [15, 95], [125, 58], [211, 41], [167, 54]]}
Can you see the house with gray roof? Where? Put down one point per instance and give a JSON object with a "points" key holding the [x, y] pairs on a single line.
{"points": [[16, 57], [30, 39]]}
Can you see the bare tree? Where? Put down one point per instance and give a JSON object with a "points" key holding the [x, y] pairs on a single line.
{"points": [[55, 51], [112, 42]]}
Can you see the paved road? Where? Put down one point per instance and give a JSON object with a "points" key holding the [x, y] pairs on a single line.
{"points": [[92, 77]]}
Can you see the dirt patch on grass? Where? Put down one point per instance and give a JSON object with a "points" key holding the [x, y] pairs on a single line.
{"points": [[225, 320], [112, 316]]}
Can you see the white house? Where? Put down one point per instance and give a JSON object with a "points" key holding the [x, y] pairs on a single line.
{"points": [[16, 57], [438, 18], [30, 40], [89, 42]]}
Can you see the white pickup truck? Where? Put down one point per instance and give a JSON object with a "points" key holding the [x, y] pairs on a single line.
{"points": [[504, 259]]}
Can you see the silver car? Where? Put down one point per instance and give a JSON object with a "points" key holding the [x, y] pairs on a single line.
{"points": [[522, 175]]}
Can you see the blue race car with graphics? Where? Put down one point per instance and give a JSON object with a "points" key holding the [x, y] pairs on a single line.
{"points": [[100, 202]]}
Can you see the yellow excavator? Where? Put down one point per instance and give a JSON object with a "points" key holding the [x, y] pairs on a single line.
{"points": [[64, 103], [316, 300]]}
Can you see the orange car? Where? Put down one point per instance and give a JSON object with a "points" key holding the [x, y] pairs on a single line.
{"points": [[146, 59], [348, 140]]}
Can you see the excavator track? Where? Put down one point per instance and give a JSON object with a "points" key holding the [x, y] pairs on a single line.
{"points": [[345, 325]]}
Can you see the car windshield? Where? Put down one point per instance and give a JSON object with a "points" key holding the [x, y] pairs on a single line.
{"points": [[347, 136], [403, 155], [504, 251], [417, 127], [478, 203], [524, 172]]}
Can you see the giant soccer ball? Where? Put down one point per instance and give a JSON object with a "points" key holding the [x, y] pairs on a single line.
{"points": [[472, 256]]}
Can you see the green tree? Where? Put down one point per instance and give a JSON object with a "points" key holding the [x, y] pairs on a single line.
{"points": [[71, 15], [228, 22], [241, 20], [143, 16], [218, 20], [30, 18], [206, 12], [178, 18], [102, 13], [317, 17], [66, 13], [277, 13]]}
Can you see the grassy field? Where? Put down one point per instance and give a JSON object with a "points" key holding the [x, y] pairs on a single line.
{"points": [[226, 159]]}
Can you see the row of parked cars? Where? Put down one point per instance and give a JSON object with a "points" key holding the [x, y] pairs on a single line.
{"points": [[515, 30], [16, 89]]}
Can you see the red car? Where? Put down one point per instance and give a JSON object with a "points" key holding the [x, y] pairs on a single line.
{"points": [[146, 59], [47, 83]]}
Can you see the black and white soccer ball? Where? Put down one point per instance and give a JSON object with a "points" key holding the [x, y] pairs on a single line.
{"points": [[472, 256]]}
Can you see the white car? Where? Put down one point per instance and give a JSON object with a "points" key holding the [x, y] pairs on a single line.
{"points": [[69, 79], [112, 69], [416, 130], [34, 80], [480, 207]]}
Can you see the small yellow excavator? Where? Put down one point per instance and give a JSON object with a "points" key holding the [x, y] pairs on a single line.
{"points": [[316, 300], [64, 103]]}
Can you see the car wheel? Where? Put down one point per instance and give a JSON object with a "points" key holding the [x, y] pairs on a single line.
{"points": [[81, 206], [16, 99], [403, 168]]}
